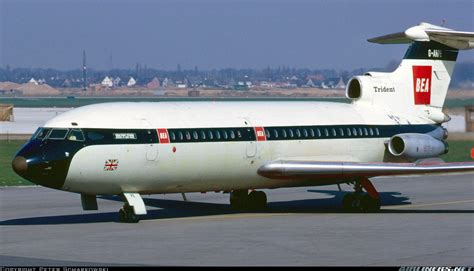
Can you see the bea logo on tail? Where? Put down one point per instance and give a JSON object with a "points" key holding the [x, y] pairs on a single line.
{"points": [[422, 84]]}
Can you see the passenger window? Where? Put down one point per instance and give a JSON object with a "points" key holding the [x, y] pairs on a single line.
{"points": [[348, 130], [305, 133], [283, 133], [298, 133], [188, 135], [319, 132], [217, 134], [341, 132], [354, 131], [239, 134], [311, 133], [224, 135], [172, 136], [232, 134], [366, 133], [377, 131], [209, 133], [360, 132], [195, 135], [334, 132], [203, 135], [371, 132], [94, 136], [275, 133], [76, 135], [180, 135], [290, 132], [326, 132], [267, 133]]}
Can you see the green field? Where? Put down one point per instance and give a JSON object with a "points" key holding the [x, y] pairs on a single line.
{"points": [[8, 150], [459, 151]]}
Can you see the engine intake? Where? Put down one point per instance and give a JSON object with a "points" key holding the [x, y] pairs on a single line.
{"points": [[354, 89]]}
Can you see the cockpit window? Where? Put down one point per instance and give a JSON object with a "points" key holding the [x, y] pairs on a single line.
{"points": [[41, 133], [76, 135], [58, 134]]}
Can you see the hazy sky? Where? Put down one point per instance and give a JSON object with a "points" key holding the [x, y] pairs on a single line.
{"points": [[214, 34]]}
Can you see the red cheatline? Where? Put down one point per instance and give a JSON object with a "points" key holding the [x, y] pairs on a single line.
{"points": [[472, 153]]}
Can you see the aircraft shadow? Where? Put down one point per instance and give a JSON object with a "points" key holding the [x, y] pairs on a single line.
{"points": [[181, 209]]}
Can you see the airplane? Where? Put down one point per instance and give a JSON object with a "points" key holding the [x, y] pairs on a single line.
{"points": [[391, 127]]}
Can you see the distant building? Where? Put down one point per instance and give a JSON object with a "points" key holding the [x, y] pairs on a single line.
{"points": [[340, 84], [117, 81], [154, 83], [181, 84], [310, 84], [107, 82], [131, 82], [32, 80], [166, 82]]}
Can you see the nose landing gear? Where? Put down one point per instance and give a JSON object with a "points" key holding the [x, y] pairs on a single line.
{"points": [[358, 201], [132, 209]]}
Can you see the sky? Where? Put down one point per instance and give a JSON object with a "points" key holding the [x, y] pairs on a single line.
{"points": [[214, 34]]}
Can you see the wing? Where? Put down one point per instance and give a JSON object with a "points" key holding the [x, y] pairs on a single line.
{"points": [[428, 32], [288, 169]]}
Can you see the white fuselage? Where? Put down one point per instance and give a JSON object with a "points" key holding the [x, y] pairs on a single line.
{"points": [[213, 166]]}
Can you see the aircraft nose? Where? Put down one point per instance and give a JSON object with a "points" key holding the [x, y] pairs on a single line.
{"points": [[19, 165], [40, 167]]}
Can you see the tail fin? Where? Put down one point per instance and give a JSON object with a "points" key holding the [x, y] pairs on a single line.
{"points": [[421, 81]]}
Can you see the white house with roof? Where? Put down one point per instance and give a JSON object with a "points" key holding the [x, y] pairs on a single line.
{"points": [[107, 82], [32, 80], [116, 81], [131, 82]]}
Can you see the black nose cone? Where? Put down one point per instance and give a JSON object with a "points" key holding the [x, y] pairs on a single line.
{"points": [[20, 166]]}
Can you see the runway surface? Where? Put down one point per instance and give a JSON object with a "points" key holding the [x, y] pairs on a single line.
{"points": [[425, 220]]}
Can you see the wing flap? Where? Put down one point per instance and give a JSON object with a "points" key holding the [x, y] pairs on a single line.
{"points": [[287, 169]]}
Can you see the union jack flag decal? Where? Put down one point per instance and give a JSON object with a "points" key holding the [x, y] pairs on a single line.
{"points": [[111, 164]]}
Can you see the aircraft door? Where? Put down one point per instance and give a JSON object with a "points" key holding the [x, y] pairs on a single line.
{"points": [[251, 148], [151, 149]]}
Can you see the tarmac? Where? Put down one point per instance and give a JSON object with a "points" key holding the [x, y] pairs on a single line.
{"points": [[425, 220]]}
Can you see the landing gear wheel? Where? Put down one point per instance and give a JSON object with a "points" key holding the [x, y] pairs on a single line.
{"points": [[257, 200], [370, 204], [355, 202], [127, 215], [238, 199], [347, 202]]}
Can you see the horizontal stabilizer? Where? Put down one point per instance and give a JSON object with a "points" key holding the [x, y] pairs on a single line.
{"points": [[427, 32], [286, 169]]}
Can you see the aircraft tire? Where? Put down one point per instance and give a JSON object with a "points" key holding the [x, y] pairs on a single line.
{"points": [[257, 200], [370, 204], [126, 215], [348, 202], [239, 199]]}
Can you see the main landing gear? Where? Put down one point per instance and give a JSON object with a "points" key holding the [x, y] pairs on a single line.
{"points": [[242, 200], [358, 201]]}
